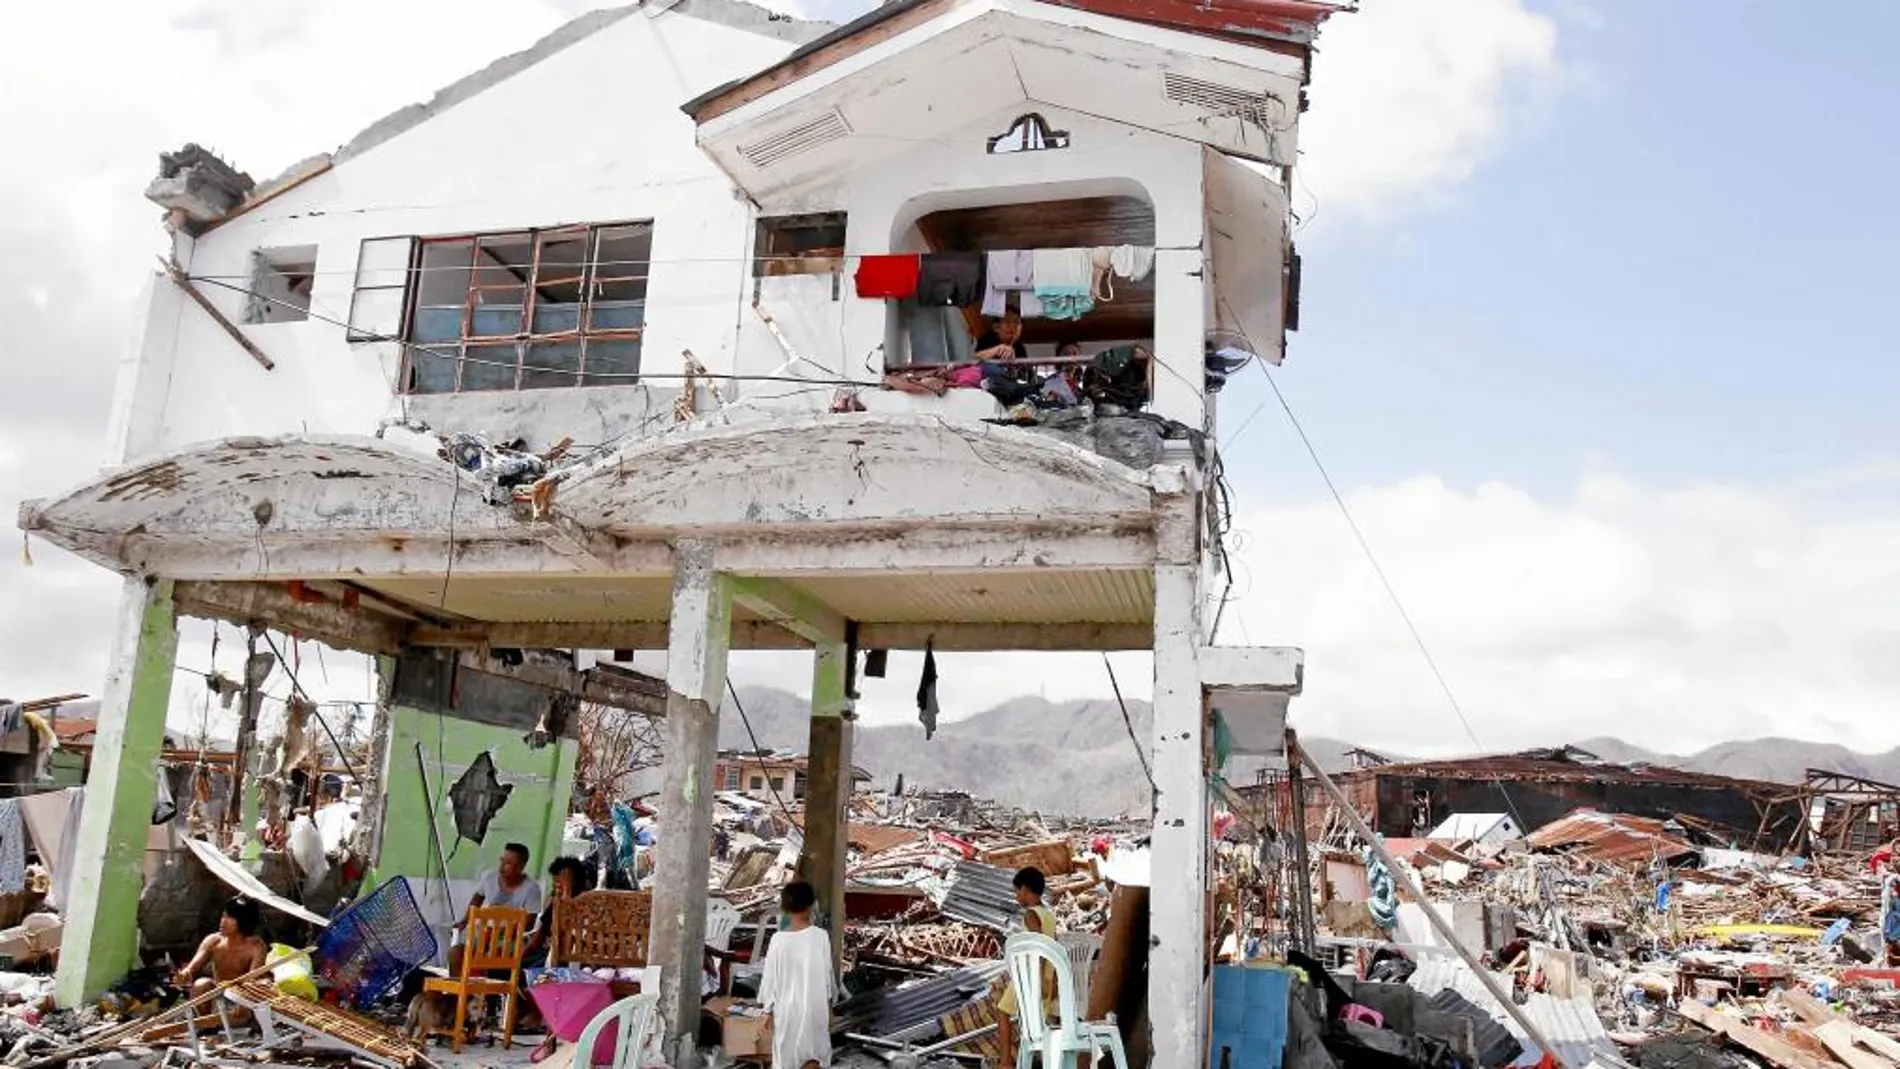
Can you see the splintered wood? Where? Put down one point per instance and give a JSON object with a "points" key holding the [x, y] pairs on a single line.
{"points": [[945, 942]]}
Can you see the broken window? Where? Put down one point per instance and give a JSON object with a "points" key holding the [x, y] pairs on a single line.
{"points": [[281, 280], [758, 783], [799, 245], [521, 310]]}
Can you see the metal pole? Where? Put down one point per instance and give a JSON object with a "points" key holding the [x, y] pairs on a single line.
{"points": [[1438, 923], [1302, 874]]}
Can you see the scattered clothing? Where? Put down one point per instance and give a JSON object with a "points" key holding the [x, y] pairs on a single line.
{"points": [[1065, 281], [927, 692], [12, 848], [950, 279], [164, 807], [1011, 271], [916, 383], [888, 277], [797, 990], [966, 377]]}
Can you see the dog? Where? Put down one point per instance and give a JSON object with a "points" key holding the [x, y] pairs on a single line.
{"points": [[430, 1012]]}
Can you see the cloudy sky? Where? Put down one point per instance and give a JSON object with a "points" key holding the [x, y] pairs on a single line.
{"points": [[1597, 343]]}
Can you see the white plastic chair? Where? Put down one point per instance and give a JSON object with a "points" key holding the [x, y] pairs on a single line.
{"points": [[1059, 1044], [632, 1021], [721, 918], [1083, 949]]}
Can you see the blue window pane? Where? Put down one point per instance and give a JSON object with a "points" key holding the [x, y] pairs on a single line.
{"points": [[551, 366], [438, 323], [618, 315], [432, 370], [496, 321], [612, 362], [489, 367], [557, 318]]}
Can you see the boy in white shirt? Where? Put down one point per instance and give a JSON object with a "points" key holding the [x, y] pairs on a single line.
{"points": [[798, 985]]}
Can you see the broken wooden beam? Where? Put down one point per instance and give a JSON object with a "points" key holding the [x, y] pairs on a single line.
{"points": [[184, 282]]}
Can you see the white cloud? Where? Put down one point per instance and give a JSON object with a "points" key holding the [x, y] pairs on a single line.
{"points": [[1672, 617], [1408, 96]]}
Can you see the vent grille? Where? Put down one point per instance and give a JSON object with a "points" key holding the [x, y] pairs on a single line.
{"points": [[790, 142], [1217, 98]]}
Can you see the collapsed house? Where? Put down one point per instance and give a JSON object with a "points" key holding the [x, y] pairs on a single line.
{"points": [[704, 380], [1410, 799]]}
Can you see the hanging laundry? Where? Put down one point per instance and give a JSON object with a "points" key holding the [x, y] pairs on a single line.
{"points": [[1064, 282], [164, 808], [950, 279], [1101, 286], [11, 715], [888, 277], [1007, 272], [1132, 262], [938, 335], [12, 848], [927, 692]]}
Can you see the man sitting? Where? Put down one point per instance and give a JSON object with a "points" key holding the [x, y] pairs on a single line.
{"points": [[231, 951]]}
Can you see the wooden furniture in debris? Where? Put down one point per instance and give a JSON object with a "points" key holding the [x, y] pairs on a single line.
{"points": [[496, 939], [602, 930], [361, 1035]]}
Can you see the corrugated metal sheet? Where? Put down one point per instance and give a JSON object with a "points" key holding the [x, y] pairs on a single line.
{"points": [[1571, 1025], [909, 1012], [984, 895], [1612, 838]]}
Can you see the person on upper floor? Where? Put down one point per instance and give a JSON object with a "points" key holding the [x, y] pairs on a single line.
{"points": [[1004, 340]]}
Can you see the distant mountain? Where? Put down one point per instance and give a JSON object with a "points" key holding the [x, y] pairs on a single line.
{"points": [[1773, 760]]}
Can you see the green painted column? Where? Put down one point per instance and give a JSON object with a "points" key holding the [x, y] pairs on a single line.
{"points": [[828, 790], [100, 942]]}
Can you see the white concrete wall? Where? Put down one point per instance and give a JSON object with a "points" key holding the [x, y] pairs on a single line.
{"points": [[524, 154], [591, 134]]}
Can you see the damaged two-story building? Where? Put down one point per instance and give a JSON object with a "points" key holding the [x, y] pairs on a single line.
{"points": [[667, 334]]}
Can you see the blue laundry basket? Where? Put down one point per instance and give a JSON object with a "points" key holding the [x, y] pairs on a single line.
{"points": [[368, 948]]}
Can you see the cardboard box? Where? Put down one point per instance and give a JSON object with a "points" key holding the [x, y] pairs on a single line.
{"points": [[742, 1028]]}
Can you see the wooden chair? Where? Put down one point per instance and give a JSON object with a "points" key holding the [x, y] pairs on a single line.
{"points": [[496, 939]]}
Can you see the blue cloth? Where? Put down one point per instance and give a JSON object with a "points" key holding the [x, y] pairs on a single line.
{"points": [[1890, 909], [1662, 897], [625, 838], [1384, 903]]}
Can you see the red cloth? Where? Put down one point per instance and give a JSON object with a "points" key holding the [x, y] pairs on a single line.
{"points": [[888, 277], [1881, 857]]}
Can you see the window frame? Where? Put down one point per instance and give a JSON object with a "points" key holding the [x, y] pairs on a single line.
{"points": [[526, 339]]}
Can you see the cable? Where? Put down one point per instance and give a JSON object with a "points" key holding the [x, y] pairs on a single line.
{"points": [[1391, 592], [446, 354], [1129, 722], [756, 748]]}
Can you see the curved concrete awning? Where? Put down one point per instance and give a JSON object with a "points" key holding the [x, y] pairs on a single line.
{"points": [[907, 522]]}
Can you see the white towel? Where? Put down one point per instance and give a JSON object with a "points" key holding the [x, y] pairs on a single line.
{"points": [[1063, 272], [1006, 272], [1132, 262]]}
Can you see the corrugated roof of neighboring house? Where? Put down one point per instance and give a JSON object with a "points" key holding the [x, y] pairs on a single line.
{"points": [[1609, 837], [1571, 1025], [983, 895], [1461, 826]]}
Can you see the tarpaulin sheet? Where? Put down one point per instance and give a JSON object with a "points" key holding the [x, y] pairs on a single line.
{"points": [[234, 877]]}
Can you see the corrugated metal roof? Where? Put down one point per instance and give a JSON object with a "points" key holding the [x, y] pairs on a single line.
{"points": [[1548, 766], [984, 895], [1571, 1025], [910, 1011], [1613, 838]]}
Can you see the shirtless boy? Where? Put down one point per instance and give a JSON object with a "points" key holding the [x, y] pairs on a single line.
{"points": [[231, 951]]}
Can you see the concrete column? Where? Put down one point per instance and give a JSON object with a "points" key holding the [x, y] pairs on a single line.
{"points": [[828, 788], [1177, 904], [1180, 333], [698, 633], [100, 943]]}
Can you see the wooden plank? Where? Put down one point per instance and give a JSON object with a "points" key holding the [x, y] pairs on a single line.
{"points": [[1839, 1037], [1777, 1050], [1807, 1007], [178, 276]]}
